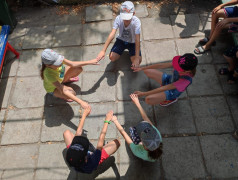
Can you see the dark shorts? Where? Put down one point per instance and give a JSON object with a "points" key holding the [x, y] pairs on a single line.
{"points": [[231, 52], [170, 94], [230, 13], [119, 47]]}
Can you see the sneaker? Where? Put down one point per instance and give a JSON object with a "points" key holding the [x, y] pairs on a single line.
{"points": [[168, 102]]}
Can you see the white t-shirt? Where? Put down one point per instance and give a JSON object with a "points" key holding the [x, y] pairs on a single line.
{"points": [[128, 33]]}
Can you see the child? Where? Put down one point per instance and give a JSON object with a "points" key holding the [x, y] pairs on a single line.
{"points": [[230, 22], [146, 141], [231, 56], [78, 154], [56, 71], [129, 35], [168, 93]]}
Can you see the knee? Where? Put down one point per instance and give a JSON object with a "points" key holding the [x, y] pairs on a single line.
{"points": [[148, 100], [147, 72], [117, 142], [112, 58], [66, 133], [80, 69]]}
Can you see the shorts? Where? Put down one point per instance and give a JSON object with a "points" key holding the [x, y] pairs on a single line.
{"points": [[170, 94], [231, 52], [104, 154], [119, 47], [232, 12]]}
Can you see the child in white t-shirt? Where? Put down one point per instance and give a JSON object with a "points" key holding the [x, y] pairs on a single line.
{"points": [[129, 35]]}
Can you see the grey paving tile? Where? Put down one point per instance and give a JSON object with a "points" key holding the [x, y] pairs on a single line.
{"points": [[141, 10], [233, 102], [2, 114], [17, 37], [29, 92], [71, 53], [56, 168], [152, 170], [98, 13], [96, 33], [188, 46], [227, 88], [180, 164], [18, 161], [212, 114], [38, 37], [30, 60], [67, 35], [206, 19], [175, 119], [186, 25], [10, 65], [57, 119], [99, 86], [25, 124], [129, 82], [205, 82], [5, 91], [220, 153], [155, 51], [150, 28]]}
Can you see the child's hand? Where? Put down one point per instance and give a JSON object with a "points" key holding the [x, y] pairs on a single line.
{"points": [[134, 98], [114, 119], [216, 9], [139, 93], [136, 69], [95, 61], [85, 105], [109, 116], [101, 55], [136, 63], [87, 111]]}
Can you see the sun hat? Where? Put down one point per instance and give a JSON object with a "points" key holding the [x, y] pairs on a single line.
{"points": [[150, 138], [186, 62], [127, 10], [51, 57], [77, 151]]}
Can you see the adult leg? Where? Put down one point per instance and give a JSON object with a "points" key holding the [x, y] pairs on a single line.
{"points": [[68, 137], [71, 72], [112, 146], [154, 74], [155, 98], [231, 62]]}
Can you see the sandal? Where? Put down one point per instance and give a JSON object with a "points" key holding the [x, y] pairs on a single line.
{"points": [[200, 50], [223, 71], [204, 41]]}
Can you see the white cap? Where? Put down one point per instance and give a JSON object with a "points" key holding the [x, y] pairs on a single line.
{"points": [[51, 57], [127, 10]]}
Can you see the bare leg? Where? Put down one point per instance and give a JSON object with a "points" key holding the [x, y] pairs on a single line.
{"points": [[231, 62], [114, 56], [71, 72], [68, 137], [58, 94], [112, 146], [154, 74], [155, 98]]}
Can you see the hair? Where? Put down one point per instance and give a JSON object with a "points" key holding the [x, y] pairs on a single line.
{"points": [[43, 66], [193, 71], [156, 153]]}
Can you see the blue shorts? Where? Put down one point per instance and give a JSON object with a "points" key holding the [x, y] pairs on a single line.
{"points": [[119, 47], [170, 94], [232, 12]]}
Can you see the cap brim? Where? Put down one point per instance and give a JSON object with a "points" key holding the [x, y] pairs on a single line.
{"points": [[59, 61], [175, 63], [126, 16]]}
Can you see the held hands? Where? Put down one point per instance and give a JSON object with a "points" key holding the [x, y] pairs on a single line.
{"points": [[136, 69], [85, 106], [135, 99], [216, 9], [109, 116], [139, 93], [101, 55], [95, 61], [87, 111], [114, 119]]}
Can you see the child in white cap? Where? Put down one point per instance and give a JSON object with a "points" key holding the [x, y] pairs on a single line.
{"points": [[56, 71], [129, 35]]}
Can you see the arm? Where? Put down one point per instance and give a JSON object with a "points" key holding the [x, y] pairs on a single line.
{"points": [[136, 62], [155, 66], [136, 101], [157, 90], [121, 130], [80, 63], [230, 3], [111, 36], [104, 130], [81, 123]]}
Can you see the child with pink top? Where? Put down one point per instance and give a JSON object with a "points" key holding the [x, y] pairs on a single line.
{"points": [[169, 91]]}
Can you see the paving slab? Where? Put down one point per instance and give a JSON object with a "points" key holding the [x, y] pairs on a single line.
{"points": [[233, 104], [96, 33], [155, 51], [156, 28], [56, 168], [70, 53], [141, 10], [175, 119], [227, 88], [18, 161], [25, 124], [67, 35], [98, 13], [220, 154], [10, 66], [5, 91], [188, 45], [212, 114], [99, 86], [38, 37], [129, 82], [17, 37], [206, 20], [180, 164], [2, 115], [30, 63], [205, 82], [152, 170], [186, 25], [33, 88]]}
